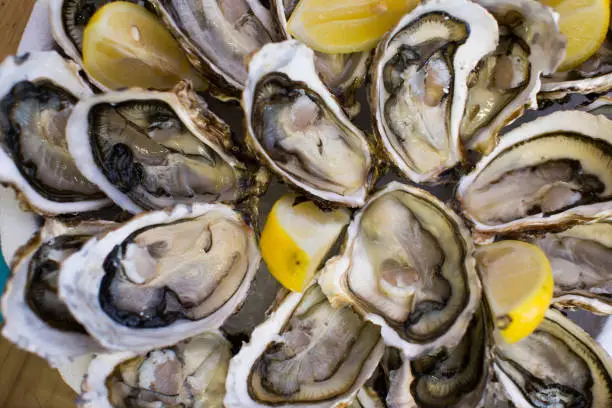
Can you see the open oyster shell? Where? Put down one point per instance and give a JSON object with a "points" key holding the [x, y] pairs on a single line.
{"points": [[191, 373], [557, 365], [552, 172], [161, 277], [218, 37], [306, 354], [38, 92], [36, 319], [341, 73], [407, 264], [581, 261], [297, 127], [419, 87], [149, 150], [508, 80], [449, 377]]}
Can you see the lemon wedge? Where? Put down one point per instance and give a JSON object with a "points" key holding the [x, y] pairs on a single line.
{"points": [[585, 23], [124, 45], [518, 284], [344, 26], [296, 238]]}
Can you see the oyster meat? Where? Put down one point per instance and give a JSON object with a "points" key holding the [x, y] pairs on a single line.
{"points": [[341, 73], [507, 80], [38, 92], [558, 365], [306, 354], [219, 36], [407, 264], [161, 277], [149, 150], [36, 318], [299, 130], [189, 374], [581, 261], [553, 171], [419, 87], [450, 377]]}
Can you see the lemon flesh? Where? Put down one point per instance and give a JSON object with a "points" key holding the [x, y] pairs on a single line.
{"points": [[345, 26], [124, 45], [585, 24], [518, 284], [296, 238]]}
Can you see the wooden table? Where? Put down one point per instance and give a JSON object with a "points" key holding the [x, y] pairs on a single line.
{"points": [[26, 381]]}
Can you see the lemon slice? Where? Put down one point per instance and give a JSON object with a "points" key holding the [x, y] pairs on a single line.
{"points": [[296, 238], [124, 45], [585, 23], [518, 284], [344, 26]]}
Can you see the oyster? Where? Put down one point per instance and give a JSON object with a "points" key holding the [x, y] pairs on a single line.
{"points": [[581, 261], [557, 365], [162, 277], [553, 171], [149, 150], [37, 94], [297, 127], [218, 37], [600, 106], [508, 80], [189, 374], [408, 265], [306, 354], [341, 73], [36, 319], [450, 377], [419, 88]]}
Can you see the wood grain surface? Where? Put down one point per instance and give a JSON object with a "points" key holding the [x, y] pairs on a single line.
{"points": [[26, 381]]}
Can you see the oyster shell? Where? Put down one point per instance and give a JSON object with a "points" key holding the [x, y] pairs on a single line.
{"points": [[341, 73], [191, 373], [450, 377], [218, 37], [407, 264], [161, 277], [36, 319], [557, 365], [299, 130], [149, 150], [551, 172], [581, 261], [367, 398], [419, 86], [37, 93], [600, 106], [508, 80], [306, 354]]}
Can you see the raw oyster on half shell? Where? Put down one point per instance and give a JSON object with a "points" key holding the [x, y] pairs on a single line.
{"points": [[508, 80], [150, 150], [407, 264], [581, 261], [419, 88], [161, 277], [557, 365], [307, 354], [38, 92], [188, 374], [296, 126], [552, 172], [36, 319], [219, 36]]}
